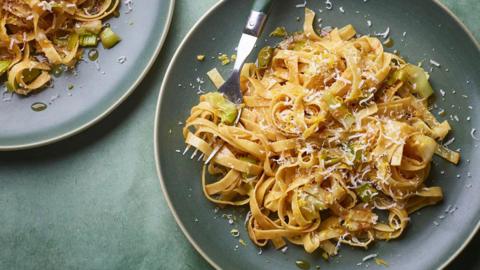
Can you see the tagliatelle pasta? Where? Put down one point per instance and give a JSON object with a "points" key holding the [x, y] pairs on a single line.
{"points": [[333, 132], [36, 36]]}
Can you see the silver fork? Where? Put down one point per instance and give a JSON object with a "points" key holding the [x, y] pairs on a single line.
{"points": [[231, 88]]}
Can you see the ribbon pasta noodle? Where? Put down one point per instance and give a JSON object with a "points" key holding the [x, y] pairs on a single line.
{"points": [[37, 36], [333, 132]]}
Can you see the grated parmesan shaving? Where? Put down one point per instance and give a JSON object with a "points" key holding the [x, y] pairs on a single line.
{"points": [[368, 257], [383, 34], [122, 59], [447, 143], [472, 133], [328, 4], [304, 4], [435, 63], [129, 5]]}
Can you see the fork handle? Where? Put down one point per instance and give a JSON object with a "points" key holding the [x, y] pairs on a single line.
{"points": [[258, 17], [262, 6]]}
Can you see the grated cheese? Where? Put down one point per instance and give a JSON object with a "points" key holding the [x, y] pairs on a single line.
{"points": [[435, 63], [383, 34], [46, 6], [129, 5], [328, 4], [122, 59], [449, 142], [304, 4], [472, 133], [368, 257]]}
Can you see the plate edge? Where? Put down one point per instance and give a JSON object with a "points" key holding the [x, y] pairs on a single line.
{"points": [[156, 146], [111, 108], [155, 135], [476, 228]]}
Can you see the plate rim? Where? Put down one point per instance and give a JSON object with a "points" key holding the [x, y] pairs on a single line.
{"points": [[156, 144], [113, 106]]}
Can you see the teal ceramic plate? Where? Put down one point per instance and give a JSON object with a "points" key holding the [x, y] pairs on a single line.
{"points": [[434, 236], [98, 87]]}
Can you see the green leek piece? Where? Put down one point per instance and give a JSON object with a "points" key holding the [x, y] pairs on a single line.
{"points": [[265, 57], [356, 153], [72, 41], [92, 27], [280, 32], [298, 45], [224, 59], [10, 88], [88, 40], [60, 41], [416, 76], [331, 161], [227, 110], [30, 75], [366, 192], [339, 110], [54, 4], [4, 64], [109, 38]]}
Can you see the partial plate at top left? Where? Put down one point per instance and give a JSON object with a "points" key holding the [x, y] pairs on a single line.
{"points": [[79, 99]]}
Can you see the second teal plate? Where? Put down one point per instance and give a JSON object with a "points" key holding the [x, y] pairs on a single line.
{"points": [[431, 32]]}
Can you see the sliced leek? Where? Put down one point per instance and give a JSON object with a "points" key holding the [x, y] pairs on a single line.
{"points": [[109, 38]]}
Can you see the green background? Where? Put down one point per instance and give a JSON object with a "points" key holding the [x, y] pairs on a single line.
{"points": [[94, 201]]}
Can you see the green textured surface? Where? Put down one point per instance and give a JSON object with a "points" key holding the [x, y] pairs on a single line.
{"points": [[94, 201]]}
